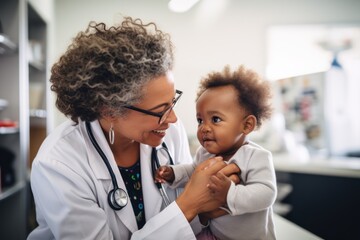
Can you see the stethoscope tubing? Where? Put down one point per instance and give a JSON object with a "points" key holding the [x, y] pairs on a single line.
{"points": [[117, 197], [102, 154], [155, 164]]}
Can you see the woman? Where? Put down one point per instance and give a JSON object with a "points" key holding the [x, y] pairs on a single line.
{"points": [[92, 177]]}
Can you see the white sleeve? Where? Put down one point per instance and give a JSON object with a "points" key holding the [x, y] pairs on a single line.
{"points": [[62, 199], [182, 174], [258, 189]]}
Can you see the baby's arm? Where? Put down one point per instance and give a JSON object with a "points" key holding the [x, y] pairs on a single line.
{"points": [[259, 188], [182, 174], [174, 175], [164, 174]]}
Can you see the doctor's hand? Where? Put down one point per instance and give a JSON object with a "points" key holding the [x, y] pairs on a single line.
{"points": [[219, 186], [233, 172], [220, 182], [197, 197]]}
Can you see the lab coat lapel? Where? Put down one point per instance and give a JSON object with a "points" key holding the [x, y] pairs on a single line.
{"points": [[95, 161], [126, 214], [151, 194]]}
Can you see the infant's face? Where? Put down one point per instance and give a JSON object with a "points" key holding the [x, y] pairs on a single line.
{"points": [[220, 120]]}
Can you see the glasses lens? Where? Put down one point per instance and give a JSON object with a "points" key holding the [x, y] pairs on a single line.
{"points": [[168, 111], [165, 115]]}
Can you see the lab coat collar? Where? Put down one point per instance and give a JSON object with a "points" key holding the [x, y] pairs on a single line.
{"points": [[126, 214]]}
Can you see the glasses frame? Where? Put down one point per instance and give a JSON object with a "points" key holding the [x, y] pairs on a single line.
{"points": [[162, 115]]}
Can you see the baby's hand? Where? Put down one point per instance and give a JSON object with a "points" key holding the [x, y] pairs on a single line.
{"points": [[164, 174]]}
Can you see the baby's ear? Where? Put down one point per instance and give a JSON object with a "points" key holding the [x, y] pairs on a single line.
{"points": [[249, 124]]}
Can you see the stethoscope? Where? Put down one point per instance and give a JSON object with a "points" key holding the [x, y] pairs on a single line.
{"points": [[117, 197]]}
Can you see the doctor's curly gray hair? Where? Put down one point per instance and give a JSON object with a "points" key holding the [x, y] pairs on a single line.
{"points": [[106, 68]]}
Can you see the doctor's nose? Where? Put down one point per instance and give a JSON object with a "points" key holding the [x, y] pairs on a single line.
{"points": [[171, 118]]}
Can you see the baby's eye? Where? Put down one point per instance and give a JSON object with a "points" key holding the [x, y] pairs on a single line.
{"points": [[199, 120], [216, 119]]}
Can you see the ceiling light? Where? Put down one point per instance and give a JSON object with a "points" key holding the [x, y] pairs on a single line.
{"points": [[181, 5]]}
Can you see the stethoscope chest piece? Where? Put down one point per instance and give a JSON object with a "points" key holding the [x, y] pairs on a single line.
{"points": [[117, 198]]}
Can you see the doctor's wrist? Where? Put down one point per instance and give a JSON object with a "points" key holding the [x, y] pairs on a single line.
{"points": [[186, 207]]}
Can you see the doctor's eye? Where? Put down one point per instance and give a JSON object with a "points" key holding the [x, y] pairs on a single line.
{"points": [[216, 119]]}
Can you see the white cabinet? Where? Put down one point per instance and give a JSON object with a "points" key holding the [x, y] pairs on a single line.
{"points": [[23, 44]]}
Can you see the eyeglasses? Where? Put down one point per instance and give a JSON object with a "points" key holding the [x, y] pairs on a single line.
{"points": [[162, 115]]}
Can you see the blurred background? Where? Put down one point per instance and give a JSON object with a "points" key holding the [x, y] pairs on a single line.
{"points": [[309, 50]]}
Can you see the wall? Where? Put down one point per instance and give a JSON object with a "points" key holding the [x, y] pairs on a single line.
{"points": [[44, 8], [205, 40]]}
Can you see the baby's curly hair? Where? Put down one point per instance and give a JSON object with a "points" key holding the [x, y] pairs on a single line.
{"points": [[254, 94], [106, 68]]}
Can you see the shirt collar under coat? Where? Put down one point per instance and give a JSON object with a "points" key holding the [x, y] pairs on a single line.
{"points": [[151, 194]]}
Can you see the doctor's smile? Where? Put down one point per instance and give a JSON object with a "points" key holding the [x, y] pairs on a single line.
{"points": [[161, 133]]}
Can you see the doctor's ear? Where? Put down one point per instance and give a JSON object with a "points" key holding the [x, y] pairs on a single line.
{"points": [[249, 124]]}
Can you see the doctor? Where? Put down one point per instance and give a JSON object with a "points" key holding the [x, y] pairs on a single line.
{"points": [[93, 176]]}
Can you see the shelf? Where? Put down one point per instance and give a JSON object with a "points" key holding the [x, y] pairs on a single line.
{"points": [[6, 45], [9, 130], [38, 113], [19, 72], [7, 192], [40, 66], [38, 118], [3, 104]]}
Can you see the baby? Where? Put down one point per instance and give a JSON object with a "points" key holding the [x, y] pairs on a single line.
{"points": [[229, 106]]}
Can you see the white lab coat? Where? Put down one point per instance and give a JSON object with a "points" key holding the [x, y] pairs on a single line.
{"points": [[70, 183]]}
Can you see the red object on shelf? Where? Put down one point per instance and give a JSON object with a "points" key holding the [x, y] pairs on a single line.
{"points": [[7, 123]]}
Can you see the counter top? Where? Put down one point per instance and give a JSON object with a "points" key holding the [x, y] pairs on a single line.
{"points": [[334, 166], [286, 230]]}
